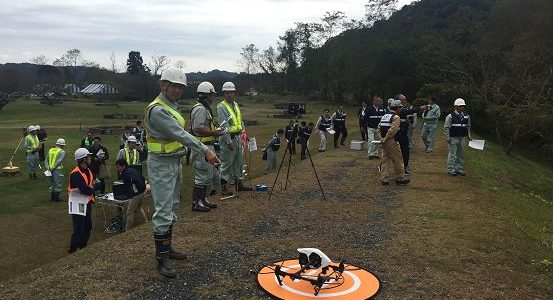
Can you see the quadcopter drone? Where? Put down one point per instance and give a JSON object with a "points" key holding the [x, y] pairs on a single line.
{"points": [[313, 259]]}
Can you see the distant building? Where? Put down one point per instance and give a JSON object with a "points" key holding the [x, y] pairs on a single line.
{"points": [[99, 89], [71, 89]]}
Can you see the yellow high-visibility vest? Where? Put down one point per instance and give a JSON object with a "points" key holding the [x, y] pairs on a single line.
{"points": [[128, 158], [34, 142], [53, 157], [163, 146], [205, 139], [237, 118]]}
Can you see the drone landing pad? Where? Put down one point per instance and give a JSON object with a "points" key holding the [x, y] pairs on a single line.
{"points": [[355, 283]]}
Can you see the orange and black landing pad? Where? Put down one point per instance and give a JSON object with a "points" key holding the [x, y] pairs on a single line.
{"points": [[355, 283]]}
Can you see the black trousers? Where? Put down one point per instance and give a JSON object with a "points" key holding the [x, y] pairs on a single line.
{"points": [[41, 153], [338, 132], [82, 225], [404, 148], [292, 145], [363, 130], [303, 148]]}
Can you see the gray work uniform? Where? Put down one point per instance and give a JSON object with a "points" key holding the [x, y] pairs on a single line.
{"points": [[32, 157], [205, 174], [165, 170], [455, 162], [56, 180], [429, 130], [121, 155], [232, 161], [271, 162]]}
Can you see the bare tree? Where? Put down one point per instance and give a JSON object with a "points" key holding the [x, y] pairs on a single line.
{"points": [[40, 60], [249, 59], [376, 10], [332, 24], [159, 64], [113, 63], [180, 64], [268, 61]]}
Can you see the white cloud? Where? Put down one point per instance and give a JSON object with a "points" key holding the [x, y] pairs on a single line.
{"points": [[206, 34]]}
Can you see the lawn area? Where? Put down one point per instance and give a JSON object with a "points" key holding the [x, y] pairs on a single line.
{"points": [[487, 235]]}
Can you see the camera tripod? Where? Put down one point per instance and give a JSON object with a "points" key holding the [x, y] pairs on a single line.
{"points": [[287, 150]]}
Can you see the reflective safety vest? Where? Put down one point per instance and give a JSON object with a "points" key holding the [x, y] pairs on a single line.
{"points": [[128, 158], [87, 142], [340, 118], [459, 126], [206, 139], [89, 181], [324, 123], [236, 118], [33, 139], [385, 125], [163, 146], [53, 154], [277, 144]]}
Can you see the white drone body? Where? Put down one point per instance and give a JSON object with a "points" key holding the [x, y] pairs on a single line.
{"points": [[325, 261]]}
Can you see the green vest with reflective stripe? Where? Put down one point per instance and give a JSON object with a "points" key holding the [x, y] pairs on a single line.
{"points": [[237, 118], [53, 154], [128, 158], [205, 139], [33, 139], [163, 146]]}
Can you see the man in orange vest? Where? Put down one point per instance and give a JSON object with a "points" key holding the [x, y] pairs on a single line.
{"points": [[81, 195], [167, 138]]}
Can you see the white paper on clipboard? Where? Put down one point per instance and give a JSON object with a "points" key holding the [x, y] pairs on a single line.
{"points": [[477, 144], [76, 208], [47, 173], [252, 146]]}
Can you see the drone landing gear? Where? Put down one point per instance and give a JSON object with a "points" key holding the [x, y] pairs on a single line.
{"points": [[317, 283]]}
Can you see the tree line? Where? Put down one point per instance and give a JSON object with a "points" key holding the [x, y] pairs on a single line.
{"points": [[496, 54]]}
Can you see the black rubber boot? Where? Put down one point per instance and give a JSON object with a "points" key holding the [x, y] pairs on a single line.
{"points": [[163, 247], [52, 196], [198, 195], [224, 190], [174, 254], [207, 203], [242, 187]]}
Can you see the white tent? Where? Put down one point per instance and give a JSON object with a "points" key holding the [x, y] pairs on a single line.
{"points": [[99, 88]]}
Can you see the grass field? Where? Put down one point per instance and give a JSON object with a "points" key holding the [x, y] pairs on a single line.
{"points": [[487, 235]]}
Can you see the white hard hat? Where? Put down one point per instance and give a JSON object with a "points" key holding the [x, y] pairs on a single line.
{"points": [[459, 102], [31, 128], [132, 139], [206, 88], [37, 127], [395, 103], [60, 142], [174, 75], [81, 153], [228, 87]]}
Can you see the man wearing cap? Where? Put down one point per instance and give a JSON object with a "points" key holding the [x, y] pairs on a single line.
{"points": [[373, 116], [430, 119], [32, 146], [232, 152], [205, 128], [130, 153], [81, 195], [167, 138], [457, 126], [54, 164], [389, 127], [403, 138]]}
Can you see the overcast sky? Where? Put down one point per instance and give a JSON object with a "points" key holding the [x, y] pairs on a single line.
{"points": [[205, 34]]}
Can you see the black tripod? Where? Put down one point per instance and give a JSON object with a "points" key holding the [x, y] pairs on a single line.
{"points": [[287, 150]]}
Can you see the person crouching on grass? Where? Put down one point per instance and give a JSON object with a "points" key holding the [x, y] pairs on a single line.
{"points": [[271, 149]]}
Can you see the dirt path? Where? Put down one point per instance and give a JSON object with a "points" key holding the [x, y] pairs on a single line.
{"points": [[439, 237]]}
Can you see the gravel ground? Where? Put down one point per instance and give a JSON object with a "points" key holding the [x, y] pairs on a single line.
{"points": [[353, 228]]}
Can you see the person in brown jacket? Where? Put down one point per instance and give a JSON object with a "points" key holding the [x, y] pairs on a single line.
{"points": [[389, 128]]}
